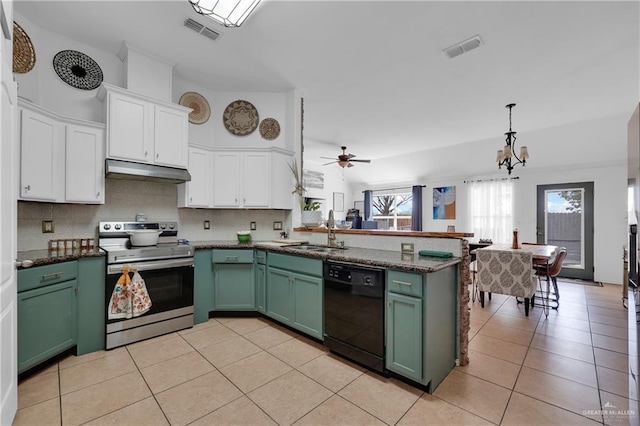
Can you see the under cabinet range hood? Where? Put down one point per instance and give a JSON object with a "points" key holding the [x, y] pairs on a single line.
{"points": [[119, 169]]}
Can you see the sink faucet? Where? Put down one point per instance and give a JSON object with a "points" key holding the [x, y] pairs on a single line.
{"points": [[331, 235]]}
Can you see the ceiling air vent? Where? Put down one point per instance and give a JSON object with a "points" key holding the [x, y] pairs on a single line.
{"points": [[463, 47], [201, 29]]}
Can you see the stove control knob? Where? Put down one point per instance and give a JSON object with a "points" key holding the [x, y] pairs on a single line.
{"points": [[107, 226], [172, 225], [118, 226], [163, 226]]}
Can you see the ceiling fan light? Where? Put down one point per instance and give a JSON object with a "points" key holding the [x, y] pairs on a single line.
{"points": [[342, 163]]}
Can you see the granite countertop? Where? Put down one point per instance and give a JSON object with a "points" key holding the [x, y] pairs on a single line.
{"points": [[46, 257], [372, 257]]}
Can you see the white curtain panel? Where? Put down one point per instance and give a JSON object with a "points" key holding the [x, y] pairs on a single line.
{"points": [[491, 210]]}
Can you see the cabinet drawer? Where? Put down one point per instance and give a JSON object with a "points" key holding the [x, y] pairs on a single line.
{"points": [[261, 257], [404, 283], [232, 256], [300, 264], [45, 275]]}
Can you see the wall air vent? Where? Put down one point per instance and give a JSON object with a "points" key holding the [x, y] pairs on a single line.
{"points": [[463, 47], [201, 29]]}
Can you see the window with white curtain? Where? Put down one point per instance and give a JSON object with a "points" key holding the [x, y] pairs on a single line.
{"points": [[491, 210]]}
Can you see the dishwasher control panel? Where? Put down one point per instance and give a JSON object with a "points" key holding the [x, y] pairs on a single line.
{"points": [[353, 274]]}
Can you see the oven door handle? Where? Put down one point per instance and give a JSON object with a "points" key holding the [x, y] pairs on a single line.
{"points": [[151, 266]]}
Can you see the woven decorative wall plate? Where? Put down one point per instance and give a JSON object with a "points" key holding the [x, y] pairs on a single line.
{"points": [[269, 128], [77, 69], [201, 110], [240, 118], [24, 55]]}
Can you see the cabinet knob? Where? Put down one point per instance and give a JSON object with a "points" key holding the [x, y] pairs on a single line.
{"points": [[190, 199], [98, 194], [157, 155], [145, 153], [27, 188]]}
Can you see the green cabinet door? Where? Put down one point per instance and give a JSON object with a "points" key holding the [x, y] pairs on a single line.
{"points": [[47, 318], [404, 335], [279, 295], [91, 304], [202, 286], [261, 281], [233, 287], [307, 304]]}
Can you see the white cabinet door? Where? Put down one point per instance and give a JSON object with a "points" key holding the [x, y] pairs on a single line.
{"points": [[199, 191], [226, 179], [170, 130], [84, 165], [40, 152], [256, 178], [130, 128]]}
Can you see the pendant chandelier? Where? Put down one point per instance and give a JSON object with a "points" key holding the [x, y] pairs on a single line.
{"points": [[230, 13], [507, 156]]}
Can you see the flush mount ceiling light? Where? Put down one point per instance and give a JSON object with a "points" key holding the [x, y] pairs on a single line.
{"points": [[230, 13], [463, 47], [505, 155]]}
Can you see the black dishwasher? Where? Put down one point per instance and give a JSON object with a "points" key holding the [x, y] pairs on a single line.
{"points": [[354, 312]]}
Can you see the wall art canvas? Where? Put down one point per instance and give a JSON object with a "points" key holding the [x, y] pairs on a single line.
{"points": [[312, 179], [444, 202]]}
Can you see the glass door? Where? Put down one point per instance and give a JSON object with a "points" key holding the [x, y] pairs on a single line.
{"points": [[565, 219]]}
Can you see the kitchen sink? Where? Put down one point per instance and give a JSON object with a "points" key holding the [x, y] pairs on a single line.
{"points": [[322, 249]]}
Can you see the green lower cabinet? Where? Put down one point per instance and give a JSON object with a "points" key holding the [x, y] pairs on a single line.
{"points": [[404, 335], [261, 283], [203, 286], [47, 322], [233, 287], [307, 300], [91, 304], [279, 295]]}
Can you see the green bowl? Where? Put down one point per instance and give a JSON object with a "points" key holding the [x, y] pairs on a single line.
{"points": [[244, 238]]}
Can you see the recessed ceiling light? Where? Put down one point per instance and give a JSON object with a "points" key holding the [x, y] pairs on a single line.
{"points": [[463, 47]]}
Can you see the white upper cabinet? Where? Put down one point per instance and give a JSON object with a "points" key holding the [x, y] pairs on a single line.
{"points": [[256, 179], [226, 179], [143, 129], [61, 159], [198, 192]]}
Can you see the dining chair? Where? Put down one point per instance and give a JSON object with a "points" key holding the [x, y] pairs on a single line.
{"points": [[552, 272], [506, 272]]}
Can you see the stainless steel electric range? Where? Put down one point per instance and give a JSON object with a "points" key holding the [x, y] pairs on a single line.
{"points": [[167, 272]]}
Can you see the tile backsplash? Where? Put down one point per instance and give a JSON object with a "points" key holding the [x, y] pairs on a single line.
{"points": [[125, 198]]}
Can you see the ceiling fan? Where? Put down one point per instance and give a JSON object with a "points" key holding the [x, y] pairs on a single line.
{"points": [[344, 160]]}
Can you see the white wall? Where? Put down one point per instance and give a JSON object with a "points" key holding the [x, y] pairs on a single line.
{"points": [[334, 181]]}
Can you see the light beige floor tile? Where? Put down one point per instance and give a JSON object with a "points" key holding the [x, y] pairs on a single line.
{"points": [[609, 304], [564, 333], [616, 382], [475, 395], [610, 343], [605, 319], [229, 351], [338, 411], [198, 327], [103, 398], [523, 410], [432, 411], [223, 320], [254, 371], [213, 334], [159, 351], [196, 398], [619, 411], [480, 314], [563, 347], [580, 314], [386, 399], [612, 331], [296, 352], [513, 335], [73, 360], [38, 388], [42, 414], [522, 323], [568, 322], [167, 374], [557, 391], [267, 337], [142, 413], [491, 369], [562, 366], [240, 412], [53, 366], [615, 313], [98, 370], [502, 349], [331, 371], [289, 397], [243, 326], [614, 360]]}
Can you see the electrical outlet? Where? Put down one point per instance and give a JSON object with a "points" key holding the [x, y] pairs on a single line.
{"points": [[207, 224], [252, 226], [406, 247], [47, 227]]}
